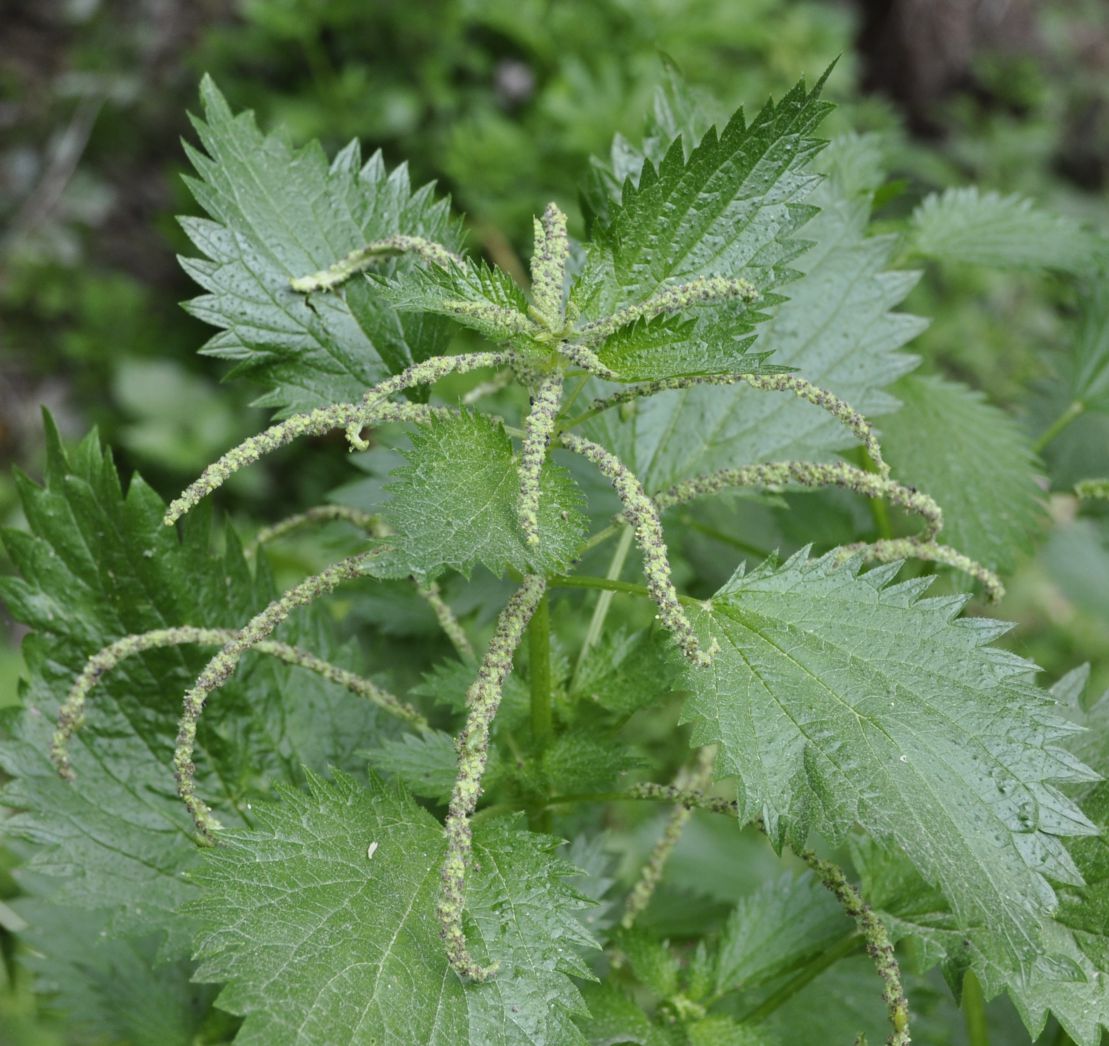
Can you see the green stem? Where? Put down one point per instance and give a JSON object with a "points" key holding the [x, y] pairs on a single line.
{"points": [[1074, 410], [808, 973], [690, 523], [599, 538], [539, 668], [539, 672], [974, 1011], [600, 611]]}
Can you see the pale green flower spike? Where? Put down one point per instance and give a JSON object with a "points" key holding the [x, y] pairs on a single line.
{"points": [[450, 624], [424, 373], [220, 668], [651, 873], [890, 549], [372, 526], [361, 259], [704, 290], [640, 512], [313, 423], [317, 514], [587, 359], [482, 700], [806, 390], [878, 944], [71, 714], [539, 428], [811, 474], [548, 268]]}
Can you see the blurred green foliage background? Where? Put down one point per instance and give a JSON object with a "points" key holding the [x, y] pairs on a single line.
{"points": [[503, 102]]}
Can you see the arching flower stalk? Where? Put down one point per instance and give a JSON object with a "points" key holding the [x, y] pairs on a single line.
{"points": [[482, 700], [779, 474], [650, 875], [874, 934], [221, 667], [313, 423], [888, 550], [451, 626], [640, 512], [838, 408], [72, 712], [361, 259]]}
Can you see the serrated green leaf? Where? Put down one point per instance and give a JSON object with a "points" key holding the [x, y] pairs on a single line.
{"points": [[780, 925], [616, 1020], [98, 564], [578, 760], [837, 328], [1088, 362], [628, 671], [454, 501], [837, 699], [427, 763], [109, 989], [278, 213], [651, 960], [473, 294], [1005, 232], [321, 940], [974, 460], [730, 208]]}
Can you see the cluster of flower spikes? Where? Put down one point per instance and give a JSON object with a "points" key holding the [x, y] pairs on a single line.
{"points": [[555, 347]]}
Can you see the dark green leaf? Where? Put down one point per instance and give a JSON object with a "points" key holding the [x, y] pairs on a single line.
{"points": [[323, 937]]}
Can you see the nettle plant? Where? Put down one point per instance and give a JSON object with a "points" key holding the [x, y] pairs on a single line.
{"points": [[350, 864]]}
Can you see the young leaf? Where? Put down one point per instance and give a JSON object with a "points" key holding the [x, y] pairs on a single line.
{"points": [[277, 214], [837, 328], [322, 923], [837, 698], [1005, 232], [974, 460], [730, 208], [454, 502], [780, 925], [1088, 363], [473, 294]]}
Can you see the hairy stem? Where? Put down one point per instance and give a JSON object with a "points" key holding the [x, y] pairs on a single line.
{"points": [[71, 714], [221, 667], [887, 551], [651, 873], [361, 259], [483, 699], [641, 513], [810, 474], [538, 430]]}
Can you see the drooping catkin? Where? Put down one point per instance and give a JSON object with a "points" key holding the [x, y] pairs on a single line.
{"points": [[312, 423], [839, 409], [538, 430], [71, 714], [890, 549], [482, 701], [363, 257], [640, 512], [704, 290], [651, 873], [220, 668], [426, 372], [781, 474]]}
